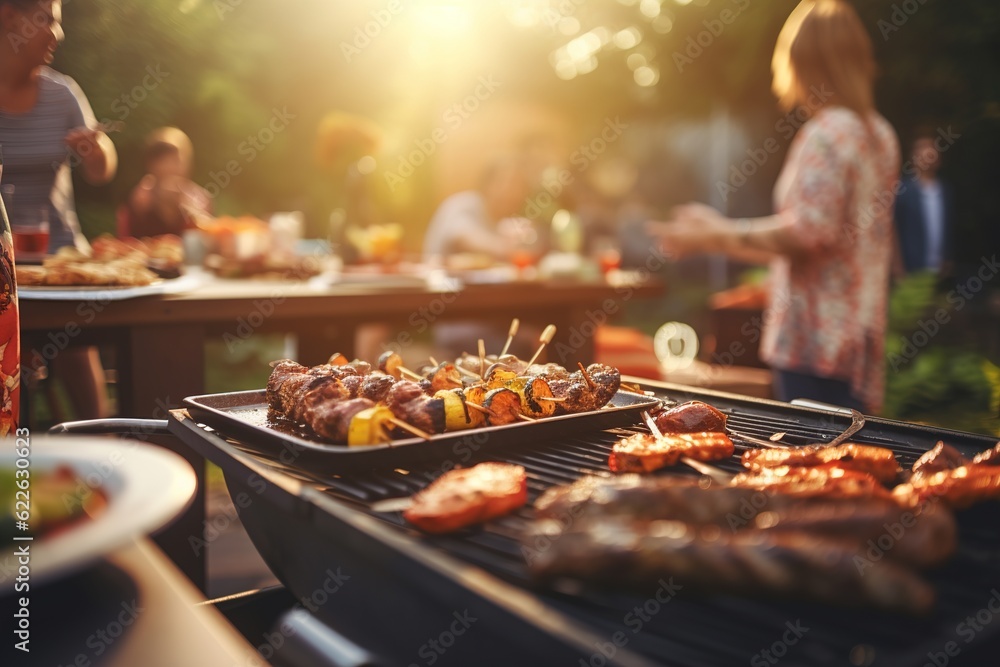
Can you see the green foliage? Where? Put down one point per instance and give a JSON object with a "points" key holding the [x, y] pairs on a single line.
{"points": [[940, 382]]}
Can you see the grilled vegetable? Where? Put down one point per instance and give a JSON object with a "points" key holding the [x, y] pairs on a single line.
{"points": [[464, 497], [476, 395], [389, 363], [456, 414], [337, 360], [504, 404], [370, 426], [498, 376], [444, 376], [529, 391]]}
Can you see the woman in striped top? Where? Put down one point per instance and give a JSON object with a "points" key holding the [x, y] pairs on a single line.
{"points": [[46, 128]]}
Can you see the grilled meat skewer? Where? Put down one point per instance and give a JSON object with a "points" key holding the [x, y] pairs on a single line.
{"points": [[927, 537], [645, 452], [791, 564], [877, 461]]}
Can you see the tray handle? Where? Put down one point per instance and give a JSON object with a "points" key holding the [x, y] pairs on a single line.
{"points": [[315, 644], [116, 426]]}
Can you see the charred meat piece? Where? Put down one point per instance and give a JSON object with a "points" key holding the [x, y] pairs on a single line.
{"points": [[827, 482], [317, 395], [693, 417], [281, 372], [941, 457], [332, 420], [958, 488], [644, 452], [409, 403], [468, 496], [375, 386], [789, 564], [876, 461], [926, 537]]}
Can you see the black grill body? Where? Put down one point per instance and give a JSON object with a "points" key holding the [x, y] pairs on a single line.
{"points": [[407, 594]]}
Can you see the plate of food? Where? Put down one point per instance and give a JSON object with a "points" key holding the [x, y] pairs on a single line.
{"points": [[82, 499]]}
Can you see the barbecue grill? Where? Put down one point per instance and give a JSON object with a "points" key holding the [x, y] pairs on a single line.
{"points": [[467, 598]]}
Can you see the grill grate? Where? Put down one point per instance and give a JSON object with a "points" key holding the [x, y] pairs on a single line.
{"points": [[687, 631]]}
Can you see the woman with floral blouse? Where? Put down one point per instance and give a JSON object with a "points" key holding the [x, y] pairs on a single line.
{"points": [[830, 241]]}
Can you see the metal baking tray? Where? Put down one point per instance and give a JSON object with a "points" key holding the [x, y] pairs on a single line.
{"points": [[242, 416]]}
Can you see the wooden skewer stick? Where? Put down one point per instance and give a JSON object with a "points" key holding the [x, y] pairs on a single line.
{"points": [[551, 399], [481, 408], [717, 474], [409, 428], [526, 418], [434, 362], [413, 375], [586, 375], [653, 428], [466, 371], [482, 358], [514, 325], [544, 339]]}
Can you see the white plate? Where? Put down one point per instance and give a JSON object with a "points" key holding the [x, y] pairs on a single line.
{"points": [[146, 487]]}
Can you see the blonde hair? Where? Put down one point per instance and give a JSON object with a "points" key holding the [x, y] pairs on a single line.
{"points": [[168, 141], [824, 46]]}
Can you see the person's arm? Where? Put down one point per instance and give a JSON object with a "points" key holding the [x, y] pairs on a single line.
{"points": [[93, 147], [697, 229], [96, 152], [809, 223]]}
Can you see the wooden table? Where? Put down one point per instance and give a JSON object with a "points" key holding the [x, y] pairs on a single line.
{"points": [[160, 340]]}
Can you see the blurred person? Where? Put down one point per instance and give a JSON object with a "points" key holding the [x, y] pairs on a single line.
{"points": [[481, 222], [162, 200], [46, 128], [477, 221], [830, 244], [924, 210]]}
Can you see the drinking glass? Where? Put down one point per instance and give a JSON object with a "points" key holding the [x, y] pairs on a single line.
{"points": [[31, 232]]}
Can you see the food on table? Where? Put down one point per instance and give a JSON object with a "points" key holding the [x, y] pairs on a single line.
{"points": [[692, 417], [57, 500], [646, 452], [126, 262], [441, 400], [876, 461], [468, 496], [377, 243]]}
